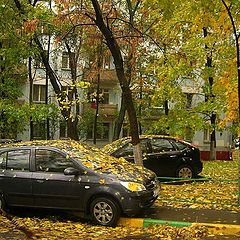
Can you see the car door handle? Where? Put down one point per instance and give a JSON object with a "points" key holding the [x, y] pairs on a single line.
{"points": [[40, 181], [172, 156]]}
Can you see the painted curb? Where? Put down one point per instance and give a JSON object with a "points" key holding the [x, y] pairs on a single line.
{"points": [[212, 228]]}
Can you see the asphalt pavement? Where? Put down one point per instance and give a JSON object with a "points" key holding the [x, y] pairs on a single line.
{"points": [[191, 215], [221, 224]]}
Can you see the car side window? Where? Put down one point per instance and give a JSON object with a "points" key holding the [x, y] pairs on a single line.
{"points": [[127, 150], [3, 160], [16, 160], [51, 161], [161, 145]]}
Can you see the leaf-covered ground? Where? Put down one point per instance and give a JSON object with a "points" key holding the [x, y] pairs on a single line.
{"points": [[220, 192], [53, 229]]}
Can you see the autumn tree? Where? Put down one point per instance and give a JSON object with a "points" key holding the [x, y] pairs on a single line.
{"points": [[41, 22], [190, 51], [233, 70], [104, 18]]}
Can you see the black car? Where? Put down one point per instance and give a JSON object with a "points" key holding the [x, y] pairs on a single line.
{"points": [[73, 176], [166, 156]]}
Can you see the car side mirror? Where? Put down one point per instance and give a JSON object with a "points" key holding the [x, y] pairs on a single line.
{"points": [[71, 171]]}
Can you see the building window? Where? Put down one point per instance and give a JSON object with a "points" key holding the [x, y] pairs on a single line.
{"points": [[39, 93], [102, 132], [39, 131], [103, 96], [65, 60], [63, 129], [206, 135]]}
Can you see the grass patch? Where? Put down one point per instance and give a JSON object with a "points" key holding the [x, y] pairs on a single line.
{"points": [[220, 192]]}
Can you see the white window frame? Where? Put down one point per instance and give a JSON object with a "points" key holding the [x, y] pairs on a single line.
{"points": [[40, 89]]}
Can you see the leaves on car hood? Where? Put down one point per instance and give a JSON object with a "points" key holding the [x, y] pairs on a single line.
{"points": [[95, 159]]}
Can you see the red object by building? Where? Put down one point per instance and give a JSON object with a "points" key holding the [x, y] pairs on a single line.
{"points": [[220, 155]]}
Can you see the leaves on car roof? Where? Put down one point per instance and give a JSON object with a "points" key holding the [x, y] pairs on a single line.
{"points": [[112, 147], [93, 158]]}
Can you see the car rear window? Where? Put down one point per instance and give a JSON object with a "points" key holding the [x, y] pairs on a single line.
{"points": [[127, 150], [161, 145], [180, 146]]}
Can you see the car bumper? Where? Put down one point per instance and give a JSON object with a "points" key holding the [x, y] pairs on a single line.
{"points": [[140, 200], [198, 167]]}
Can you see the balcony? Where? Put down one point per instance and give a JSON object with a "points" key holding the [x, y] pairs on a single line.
{"points": [[108, 111], [108, 77]]}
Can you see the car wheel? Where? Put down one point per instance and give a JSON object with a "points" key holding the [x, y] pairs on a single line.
{"points": [[184, 172], [105, 211]]}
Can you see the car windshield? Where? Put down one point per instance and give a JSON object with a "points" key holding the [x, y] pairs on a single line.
{"points": [[112, 147]]}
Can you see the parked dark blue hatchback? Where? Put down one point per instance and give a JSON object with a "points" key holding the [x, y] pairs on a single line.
{"points": [[74, 176], [166, 156]]}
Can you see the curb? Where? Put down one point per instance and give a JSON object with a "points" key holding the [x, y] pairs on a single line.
{"points": [[212, 228]]}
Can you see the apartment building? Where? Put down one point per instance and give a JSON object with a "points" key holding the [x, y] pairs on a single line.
{"points": [[109, 106]]}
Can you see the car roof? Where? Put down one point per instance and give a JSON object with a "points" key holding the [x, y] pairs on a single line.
{"points": [[112, 147]]}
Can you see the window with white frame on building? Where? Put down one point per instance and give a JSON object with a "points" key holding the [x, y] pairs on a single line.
{"points": [[39, 93], [66, 60], [103, 95], [206, 135]]}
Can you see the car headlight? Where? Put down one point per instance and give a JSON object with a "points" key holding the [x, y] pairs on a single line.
{"points": [[133, 186]]}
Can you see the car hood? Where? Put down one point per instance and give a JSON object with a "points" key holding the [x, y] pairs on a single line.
{"points": [[129, 172]]}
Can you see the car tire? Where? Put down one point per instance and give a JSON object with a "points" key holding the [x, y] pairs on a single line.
{"points": [[105, 211], [184, 172]]}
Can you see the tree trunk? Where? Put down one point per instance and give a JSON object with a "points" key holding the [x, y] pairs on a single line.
{"points": [[120, 119], [211, 99], [46, 94], [30, 93], [2, 94], [97, 110], [118, 61], [72, 129]]}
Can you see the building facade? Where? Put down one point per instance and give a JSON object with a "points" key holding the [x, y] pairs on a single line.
{"points": [[109, 105]]}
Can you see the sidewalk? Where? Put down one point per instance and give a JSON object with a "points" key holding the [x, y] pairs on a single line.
{"points": [[217, 221]]}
